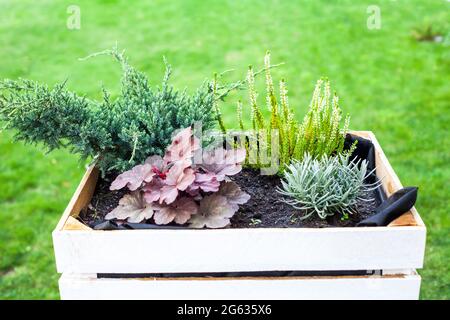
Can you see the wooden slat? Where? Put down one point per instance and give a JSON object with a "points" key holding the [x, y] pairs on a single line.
{"points": [[228, 250], [406, 219], [358, 288], [74, 224], [81, 197], [391, 184]]}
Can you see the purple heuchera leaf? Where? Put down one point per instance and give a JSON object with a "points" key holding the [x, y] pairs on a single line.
{"points": [[178, 178], [152, 190], [216, 210], [133, 208], [182, 147], [221, 162], [179, 211], [206, 181], [235, 196], [157, 162], [133, 178]]}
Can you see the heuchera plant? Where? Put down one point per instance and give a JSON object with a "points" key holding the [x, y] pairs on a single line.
{"points": [[174, 189]]}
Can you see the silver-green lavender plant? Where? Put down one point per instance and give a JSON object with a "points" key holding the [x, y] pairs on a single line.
{"points": [[326, 186]]}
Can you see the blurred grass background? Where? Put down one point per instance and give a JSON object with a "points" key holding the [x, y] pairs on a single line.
{"points": [[388, 81]]}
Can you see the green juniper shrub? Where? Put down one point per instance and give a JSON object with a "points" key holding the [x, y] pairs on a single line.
{"points": [[319, 133], [118, 134]]}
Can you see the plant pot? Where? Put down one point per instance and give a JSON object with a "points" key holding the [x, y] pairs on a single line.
{"points": [[379, 262]]}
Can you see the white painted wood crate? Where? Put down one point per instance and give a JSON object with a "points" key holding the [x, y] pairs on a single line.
{"points": [[390, 287], [81, 253]]}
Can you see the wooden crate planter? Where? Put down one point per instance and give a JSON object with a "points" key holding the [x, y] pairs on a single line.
{"points": [[397, 250]]}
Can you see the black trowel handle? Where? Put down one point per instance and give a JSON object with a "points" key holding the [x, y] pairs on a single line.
{"points": [[392, 208]]}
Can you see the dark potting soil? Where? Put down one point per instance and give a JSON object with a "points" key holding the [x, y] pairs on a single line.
{"points": [[103, 202], [264, 209]]}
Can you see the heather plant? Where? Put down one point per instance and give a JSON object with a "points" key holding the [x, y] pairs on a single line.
{"points": [[175, 189], [118, 134], [319, 133], [326, 186]]}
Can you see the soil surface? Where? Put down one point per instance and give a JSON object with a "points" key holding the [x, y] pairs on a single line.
{"points": [[102, 203], [264, 209]]}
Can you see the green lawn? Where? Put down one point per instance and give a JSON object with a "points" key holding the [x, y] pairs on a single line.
{"points": [[390, 83]]}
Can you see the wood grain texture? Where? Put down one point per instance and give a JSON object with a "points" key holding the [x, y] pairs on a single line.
{"points": [[391, 183], [74, 224], [406, 219], [82, 196]]}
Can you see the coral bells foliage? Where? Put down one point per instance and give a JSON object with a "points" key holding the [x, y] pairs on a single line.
{"points": [[174, 189]]}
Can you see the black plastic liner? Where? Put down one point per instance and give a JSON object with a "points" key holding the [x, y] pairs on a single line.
{"points": [[390, 208], [397, 204]]}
